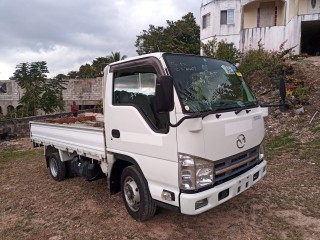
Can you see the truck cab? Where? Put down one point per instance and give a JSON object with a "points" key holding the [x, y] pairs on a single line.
{"points": [[185, 132]]}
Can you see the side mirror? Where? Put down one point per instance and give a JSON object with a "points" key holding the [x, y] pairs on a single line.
{"points": [[283, 93], [282, 88], [164, 94]]}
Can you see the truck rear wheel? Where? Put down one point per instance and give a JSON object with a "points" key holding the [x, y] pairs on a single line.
{"points": [[57, 167], [135, 194]]}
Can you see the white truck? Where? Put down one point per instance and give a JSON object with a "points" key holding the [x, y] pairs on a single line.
{"points": [[179, 131]]}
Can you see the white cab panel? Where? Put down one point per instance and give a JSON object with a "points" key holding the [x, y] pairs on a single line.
{"points": [[217, 137]]}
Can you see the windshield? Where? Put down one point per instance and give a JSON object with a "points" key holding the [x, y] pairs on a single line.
{"points": [[205, 84]]}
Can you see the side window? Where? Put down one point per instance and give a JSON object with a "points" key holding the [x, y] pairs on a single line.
{"points": [[136, 87], [206, 21], [227, 17]]}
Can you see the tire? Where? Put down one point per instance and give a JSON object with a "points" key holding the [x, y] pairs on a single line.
{"points": [[136, 195], [57, 168]]}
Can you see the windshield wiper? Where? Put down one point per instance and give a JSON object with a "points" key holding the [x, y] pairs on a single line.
{"points": [[245, 108], [196, 115], [212, 111]]}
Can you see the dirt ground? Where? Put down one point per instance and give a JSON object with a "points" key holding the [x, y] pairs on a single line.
{"points": [[284, 205]]}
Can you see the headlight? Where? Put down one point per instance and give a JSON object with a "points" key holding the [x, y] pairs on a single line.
{"points": [[261, 150], [194, 172]]}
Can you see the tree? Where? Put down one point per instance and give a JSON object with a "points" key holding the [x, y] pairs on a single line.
{"points": [[99, 63], [73, 74], [51, 98], [116, 56], [39, 92], [95, 69], [86, 71], [150, 40], [222, 50], [61, 76], [182, 36]]}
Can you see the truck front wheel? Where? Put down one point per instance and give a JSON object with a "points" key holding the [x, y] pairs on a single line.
{"points": [[57, 167], [135, 194]]}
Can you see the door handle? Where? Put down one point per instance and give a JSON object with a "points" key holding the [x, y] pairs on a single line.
{"points": [[115, 133]]}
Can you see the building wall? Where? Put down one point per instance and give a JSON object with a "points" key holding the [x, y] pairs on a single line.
{"points": [[227, 32], [291, 10], [293, 34], [19, 127], [210, 30], [251, 37], [250, 15], [281, 13], [290, 14], [10, 95], [313, 9], [85, 92]]}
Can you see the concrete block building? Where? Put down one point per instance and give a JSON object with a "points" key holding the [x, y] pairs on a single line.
{"points": [[10, 94], [86, 92], [246, 22]]}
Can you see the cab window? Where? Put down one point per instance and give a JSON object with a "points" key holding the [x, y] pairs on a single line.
{"points": [[136, 87]]}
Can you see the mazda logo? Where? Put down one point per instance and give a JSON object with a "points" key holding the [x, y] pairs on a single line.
{"points": [[241, 141]]}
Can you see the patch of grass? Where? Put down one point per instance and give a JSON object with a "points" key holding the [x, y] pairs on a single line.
{"points": [[311, 150], [281, 143], [107, 215], [315, 129], [281, 140], [277, 227], [16, 155]]}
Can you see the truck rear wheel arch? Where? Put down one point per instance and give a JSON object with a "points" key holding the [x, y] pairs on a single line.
{"points": [[122, 161], [48, 151]]}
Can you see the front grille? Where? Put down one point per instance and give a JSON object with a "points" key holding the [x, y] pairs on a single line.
{"points": [[235, 165]]}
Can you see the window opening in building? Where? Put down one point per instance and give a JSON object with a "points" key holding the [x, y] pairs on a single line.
{"points": [[227, 17], [313, 6], [3, 88], [206, 21]]}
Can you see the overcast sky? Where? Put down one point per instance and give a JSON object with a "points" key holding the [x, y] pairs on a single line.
{"points": [[69, 33]]}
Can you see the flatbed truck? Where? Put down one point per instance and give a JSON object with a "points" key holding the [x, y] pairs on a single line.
{"points": [[179, 131]]}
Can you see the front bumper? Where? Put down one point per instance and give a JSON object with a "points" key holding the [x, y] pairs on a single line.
{"points": [[218, 194]]}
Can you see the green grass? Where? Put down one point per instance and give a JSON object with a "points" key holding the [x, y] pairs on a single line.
{"points": [[311, 150], [284, 142], [281, 140], [281, 225], [16, 155], [315, 129]]}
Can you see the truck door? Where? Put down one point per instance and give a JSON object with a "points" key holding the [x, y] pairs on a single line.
{"points": [[133, 126]]}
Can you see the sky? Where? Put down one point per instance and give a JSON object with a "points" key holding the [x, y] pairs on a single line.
{"points": [[69, 33]]}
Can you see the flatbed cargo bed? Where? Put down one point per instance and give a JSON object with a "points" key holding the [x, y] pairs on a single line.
{"points": [[83, 135]]}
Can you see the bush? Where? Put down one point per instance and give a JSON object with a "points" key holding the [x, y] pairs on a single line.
{"points": [[301, 95], [222, 50], [269, 62]]}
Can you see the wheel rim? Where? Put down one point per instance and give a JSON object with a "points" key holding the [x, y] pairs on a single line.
{"points": [[53, 167], [132, 194]]}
